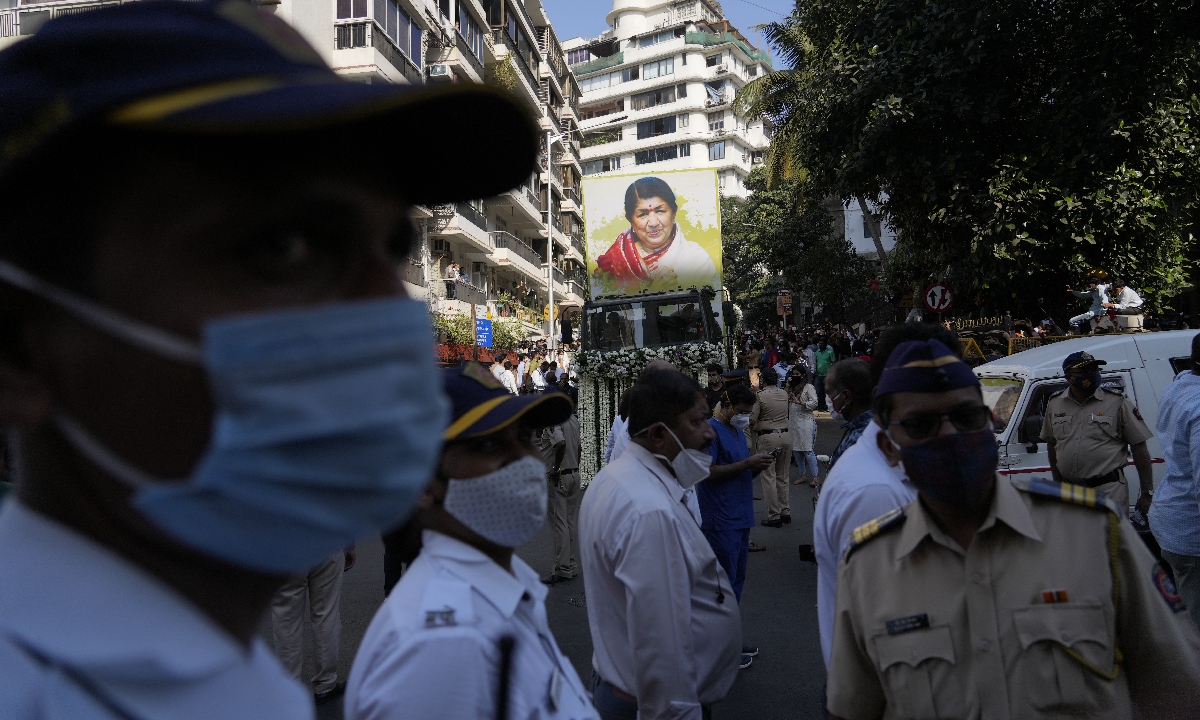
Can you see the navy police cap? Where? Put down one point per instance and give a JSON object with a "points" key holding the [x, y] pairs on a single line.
{"points": [[1081, 361], [228, 67], [924, 366], [480, 404]]}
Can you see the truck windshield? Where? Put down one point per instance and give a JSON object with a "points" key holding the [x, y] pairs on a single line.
{"points": [[1001, 395], [644, 324]]}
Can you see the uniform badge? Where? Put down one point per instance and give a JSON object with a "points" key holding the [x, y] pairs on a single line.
{"points": [[1166, 587], [899, 626], [479, 374], [1054, 596], [440, 618], [1137, 414]]}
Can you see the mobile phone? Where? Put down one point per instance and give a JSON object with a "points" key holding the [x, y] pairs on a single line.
{"points": [[776, 451]]}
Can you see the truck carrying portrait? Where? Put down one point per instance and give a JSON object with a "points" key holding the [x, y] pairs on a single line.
{"points": [[653, 232]]}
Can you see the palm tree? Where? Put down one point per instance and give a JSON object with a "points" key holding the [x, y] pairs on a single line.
{"points": [[777, 97]]}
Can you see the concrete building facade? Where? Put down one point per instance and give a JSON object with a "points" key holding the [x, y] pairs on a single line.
{"points": [[501, 243], [658, 88]]}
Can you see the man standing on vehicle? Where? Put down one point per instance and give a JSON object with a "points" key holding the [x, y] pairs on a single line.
{"points": [[1124, 300], [1090, 431], [1097, 292]]}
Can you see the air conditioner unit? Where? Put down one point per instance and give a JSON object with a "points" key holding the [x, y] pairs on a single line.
{"points": [[440, 72], [719, 133], [722, 69], [439, 246], [756, 160]]}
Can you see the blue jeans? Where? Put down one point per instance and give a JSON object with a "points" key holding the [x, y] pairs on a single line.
{"points": [[806, 462], [732, 548]]}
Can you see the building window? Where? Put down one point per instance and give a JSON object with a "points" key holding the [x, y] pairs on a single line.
{"points": [[713, 60], [661, 37], [716, 151], [752, 71], [681, 91], [351, 36], [653, 98], [592, 167], [683, 59], [685, 150], [470, 31], [654, 128], [716, 121], [347, 9], [661, 154], [599, 82], [574, 57], [683, 120], [651, 70]]}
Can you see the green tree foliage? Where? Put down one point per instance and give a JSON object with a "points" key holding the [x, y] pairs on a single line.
{"points": [[784, 236], [457, 327], [1013, 144]]}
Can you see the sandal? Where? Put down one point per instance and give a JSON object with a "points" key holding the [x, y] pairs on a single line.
{"points": [[797, 482], [813, 484]]}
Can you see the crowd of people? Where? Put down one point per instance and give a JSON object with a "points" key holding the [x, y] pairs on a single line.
{"points": [[213, 386]]}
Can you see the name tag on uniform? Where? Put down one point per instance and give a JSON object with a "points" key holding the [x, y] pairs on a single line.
{"points": [[554, 696], [902, 625]]}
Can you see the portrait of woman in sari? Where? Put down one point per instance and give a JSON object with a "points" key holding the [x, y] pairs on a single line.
{"points": [[653, 254]]}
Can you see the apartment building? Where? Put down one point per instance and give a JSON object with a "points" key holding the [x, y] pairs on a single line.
{"points": [[658, 88], [501, 243]]}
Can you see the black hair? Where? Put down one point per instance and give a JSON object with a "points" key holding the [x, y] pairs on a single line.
{"points": [[623, 405], [1094, 279], [896, 334], [770, 377], [715, 368], [500, 357], [661, 396], [1118, 282], [740, 395], [1196, 353], [646, 188], [854, 374]]}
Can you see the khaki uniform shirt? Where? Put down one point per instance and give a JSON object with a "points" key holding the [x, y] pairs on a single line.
{"points": [[771, 410], [1055, 609], [1093, 437]]}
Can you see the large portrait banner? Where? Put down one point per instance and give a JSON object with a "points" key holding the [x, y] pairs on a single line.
{"points": [[652, 231]]}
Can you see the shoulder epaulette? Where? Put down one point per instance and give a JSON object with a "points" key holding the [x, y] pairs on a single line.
{"points": [[1060, 392], [1114, 390], [1065, 492], [868, 531]]}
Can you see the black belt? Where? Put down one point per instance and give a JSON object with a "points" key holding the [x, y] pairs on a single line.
{"points": [[769, 432], [571, 471], [1111, 476]]}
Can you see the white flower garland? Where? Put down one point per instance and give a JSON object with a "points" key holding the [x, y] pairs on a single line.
{"points": [[604, 376]]}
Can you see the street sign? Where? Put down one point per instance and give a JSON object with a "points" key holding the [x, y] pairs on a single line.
{"points": [[483, 332], [938, 298], [783, 302], [481, 312]]}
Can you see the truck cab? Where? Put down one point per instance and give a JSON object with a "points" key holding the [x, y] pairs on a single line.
{"points": [[1017, 388], [649, 320]]}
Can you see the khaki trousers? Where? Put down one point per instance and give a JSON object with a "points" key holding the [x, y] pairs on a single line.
{"points": [[1118, 492], [565, 496], [776, 486], [322, 587]]}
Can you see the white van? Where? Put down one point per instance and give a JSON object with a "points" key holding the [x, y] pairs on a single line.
{"points": [[1141, 365]]}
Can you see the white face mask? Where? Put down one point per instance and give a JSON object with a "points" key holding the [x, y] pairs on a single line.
{"points": [[507, 506], [741, 422], [690, 466]]}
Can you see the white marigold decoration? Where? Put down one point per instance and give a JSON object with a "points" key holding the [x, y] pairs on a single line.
{"points": [[604, 377]]}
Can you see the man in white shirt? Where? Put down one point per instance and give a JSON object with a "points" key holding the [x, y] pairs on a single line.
{"points": [[539, 377], [137, 558], [664, 620], [436, 648], [862, 485], [497, 368], [522, 368], [1124, 300]]}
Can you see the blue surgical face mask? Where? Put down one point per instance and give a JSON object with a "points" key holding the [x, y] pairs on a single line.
{"points": [[326, 427]]}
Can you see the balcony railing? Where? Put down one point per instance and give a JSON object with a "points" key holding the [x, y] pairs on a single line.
{"points": [[534, 200], [709, 39], [367, 34], [468, 54], [575, 288], [559, 277], [8, 24], [414, 272], [502, 37], [506, 241], [464, 292], [472, 214], [598, 64], [577, 243]]}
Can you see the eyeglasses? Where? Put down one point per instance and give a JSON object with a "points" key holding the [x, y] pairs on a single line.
{"points": [[923, 426]]}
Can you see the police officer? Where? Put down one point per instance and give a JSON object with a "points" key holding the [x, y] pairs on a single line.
{"points": [[1090, 432], [436, 649], [995, 598], [210, 371]]}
